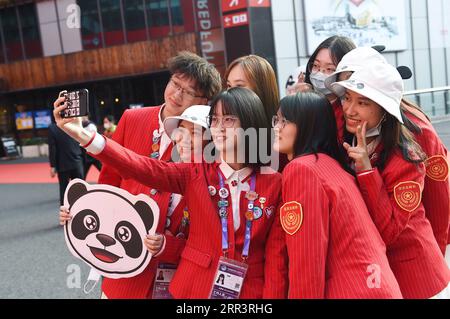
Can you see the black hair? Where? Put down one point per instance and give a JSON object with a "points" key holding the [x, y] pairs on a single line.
{"points": [[338, 46], [206, 76], [246, 105], [110, 118], [317, 133]]}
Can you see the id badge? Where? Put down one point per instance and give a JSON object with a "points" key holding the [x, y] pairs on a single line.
{"points": [[164, 275], [229, 279]]}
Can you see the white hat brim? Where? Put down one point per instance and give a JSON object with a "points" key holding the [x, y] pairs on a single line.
{"points": [[171, 123], [384, 101]]}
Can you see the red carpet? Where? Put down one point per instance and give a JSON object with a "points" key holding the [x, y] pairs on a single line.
{"points": [[34, 173]]}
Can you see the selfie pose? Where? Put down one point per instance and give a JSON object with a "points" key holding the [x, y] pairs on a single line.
{"points": [[390, 171], [234, 220], [334, 249], [436, 192], [193, 81]]}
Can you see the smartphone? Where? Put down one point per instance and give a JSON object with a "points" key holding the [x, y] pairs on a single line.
{"points": [[77, 103]]}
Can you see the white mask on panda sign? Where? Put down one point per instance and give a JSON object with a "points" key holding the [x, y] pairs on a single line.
{"points": [[108, 226]]}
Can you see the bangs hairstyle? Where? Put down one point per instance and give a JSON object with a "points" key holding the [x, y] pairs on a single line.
{"points": [[246, 105], [316, 126], [338, 47], [194, 67], [262, 80]]}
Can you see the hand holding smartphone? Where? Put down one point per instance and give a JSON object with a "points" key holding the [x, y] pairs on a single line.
{"points": [[77, 103]]}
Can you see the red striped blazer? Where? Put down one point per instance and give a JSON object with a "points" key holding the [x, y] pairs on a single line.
{"points": [[340, 121], [394, 199], [135, 131], [267, 261], [436, 191], [337, 252]]}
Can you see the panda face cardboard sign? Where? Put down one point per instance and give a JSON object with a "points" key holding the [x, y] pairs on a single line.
{"points": [[108, 227]]}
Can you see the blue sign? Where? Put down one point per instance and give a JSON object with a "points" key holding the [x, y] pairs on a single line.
{"points": [[42, 119]]}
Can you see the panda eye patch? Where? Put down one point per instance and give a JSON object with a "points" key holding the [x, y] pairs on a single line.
{"points": [[124, 234], [85, 223], [130, 239], [90, 222]]}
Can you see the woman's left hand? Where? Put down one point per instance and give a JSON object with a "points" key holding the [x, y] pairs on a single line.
{"points": [[359, 153], [71, 126], [154, 243]]}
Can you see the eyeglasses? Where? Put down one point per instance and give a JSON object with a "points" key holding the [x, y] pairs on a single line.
{"points": [[316, 67], [226, 121], [184, 93], [276, 120]]}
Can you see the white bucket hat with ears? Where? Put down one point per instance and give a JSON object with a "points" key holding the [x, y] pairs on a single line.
{"points": [[379, 82], [195, 114], [300, 69], [354, 61], [296, 73]]}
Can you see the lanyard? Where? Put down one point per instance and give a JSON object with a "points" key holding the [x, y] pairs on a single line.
{"points": [[223, 204]]}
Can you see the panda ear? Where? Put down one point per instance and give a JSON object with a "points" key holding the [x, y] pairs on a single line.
{"points": [[146, 213], [76, 191]]}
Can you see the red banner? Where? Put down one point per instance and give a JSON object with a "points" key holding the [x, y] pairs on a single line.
{"points": [[232, 5], [210, 32]]}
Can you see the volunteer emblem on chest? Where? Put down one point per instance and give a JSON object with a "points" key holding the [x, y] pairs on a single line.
{"points": [[291, 215], [408, 196]]}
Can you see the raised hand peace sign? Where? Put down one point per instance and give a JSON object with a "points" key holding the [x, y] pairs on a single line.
{"points": [[359, 153]]}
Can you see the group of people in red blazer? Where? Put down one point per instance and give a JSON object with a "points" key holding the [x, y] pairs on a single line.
{"points": [[353, 202]]}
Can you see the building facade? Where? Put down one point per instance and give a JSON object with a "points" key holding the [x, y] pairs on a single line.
{"points": [[422, 43], [118, 49]]}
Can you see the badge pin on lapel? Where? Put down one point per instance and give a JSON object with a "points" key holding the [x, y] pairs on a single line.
{"points": [[224, 193], [257, 212], [251, 195], [262, 201], [212, 190], [269, 211]]}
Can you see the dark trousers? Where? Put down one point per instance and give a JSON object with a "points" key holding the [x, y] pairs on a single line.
{"points": [[65, 177], [88, 162]]}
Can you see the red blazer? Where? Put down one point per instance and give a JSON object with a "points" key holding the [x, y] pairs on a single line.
{"points": [[267, 272], [333, 252], [135, 131], [393, 197], [436, 192], [340, 121]]}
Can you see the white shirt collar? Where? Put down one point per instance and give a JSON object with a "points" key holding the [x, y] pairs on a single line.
{"points": [[229, 173], [161, 124]]}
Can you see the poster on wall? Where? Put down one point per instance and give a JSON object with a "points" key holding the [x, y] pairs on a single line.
{"points": [[24, 121], [42, 119], [439, 25], [367, 22]]}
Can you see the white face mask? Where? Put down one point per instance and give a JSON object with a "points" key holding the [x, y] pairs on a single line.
{"points": [[376, 131], [318, 82], [107, 126]]}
